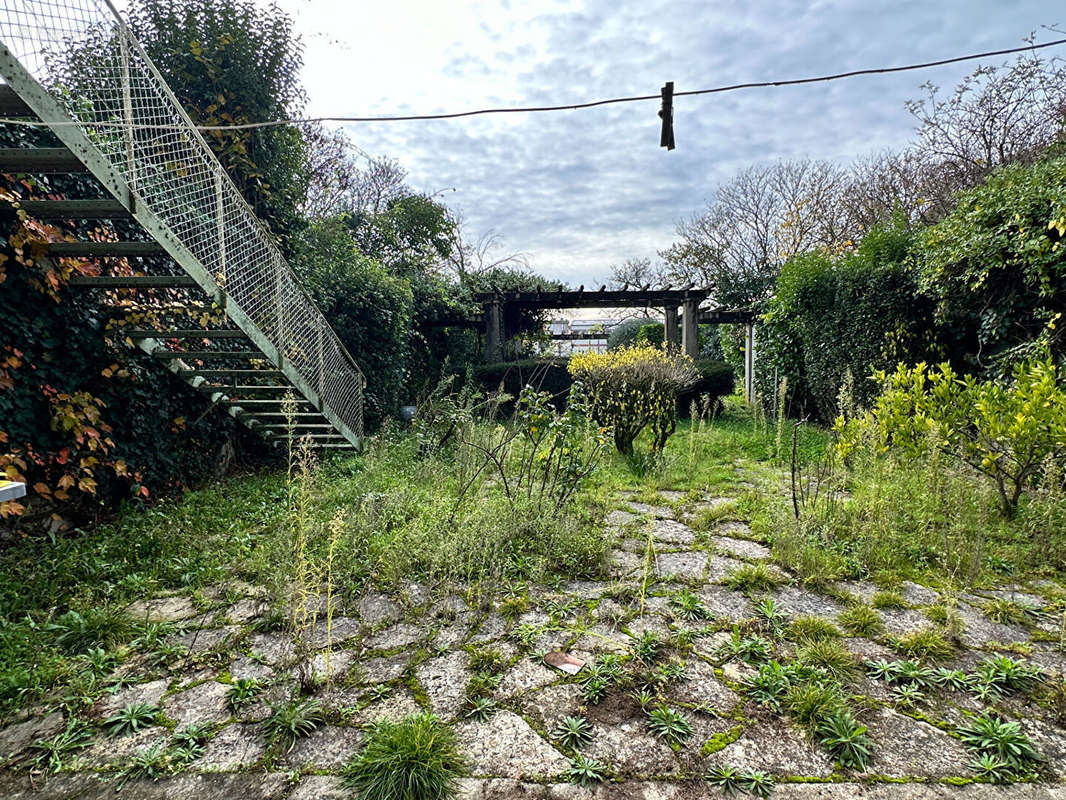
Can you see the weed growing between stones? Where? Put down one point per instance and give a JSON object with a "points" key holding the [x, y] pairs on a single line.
{"points": [[242, 692], [925, 644], [688, 606], [810, 628], [752, 578], [416, 758], [148, 762], [815, 699], [1003, 751], [292, 720], [573, 732], [733, 781], [585, 771], [861, 620], [669, 725], [53, 753], [131, 718]]}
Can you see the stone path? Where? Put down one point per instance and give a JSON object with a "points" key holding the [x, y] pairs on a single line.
{"points": [[389, 657]]}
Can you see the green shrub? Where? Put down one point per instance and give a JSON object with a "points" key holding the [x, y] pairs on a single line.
{"points": [[416, 758], [544, 374], [1006, 432], [370, 310], [625, 333], [715, 380]]}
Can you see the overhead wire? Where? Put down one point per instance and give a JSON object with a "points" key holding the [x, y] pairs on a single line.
{"points": [[569, 106]]}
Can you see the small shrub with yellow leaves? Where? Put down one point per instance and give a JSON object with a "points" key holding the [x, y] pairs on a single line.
{"points": [[633, 388]]}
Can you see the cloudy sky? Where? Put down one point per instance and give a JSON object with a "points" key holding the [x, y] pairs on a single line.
{"points": [[580, 190]]}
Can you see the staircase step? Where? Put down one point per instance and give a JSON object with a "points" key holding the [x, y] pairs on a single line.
{"points": [[134, 281], [201, 354], [108, 249], [234, 373], [42, 160], [74, 209], [189, 333]]}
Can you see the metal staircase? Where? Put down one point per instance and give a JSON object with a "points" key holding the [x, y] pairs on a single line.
{"points": [[223, 309]]}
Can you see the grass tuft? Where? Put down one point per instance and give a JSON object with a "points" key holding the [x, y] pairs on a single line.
{"points": [[416, 758]]}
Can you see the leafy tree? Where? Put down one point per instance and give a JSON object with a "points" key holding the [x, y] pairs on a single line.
{"points": [[996, 266], [368, 308], [235, 62]]}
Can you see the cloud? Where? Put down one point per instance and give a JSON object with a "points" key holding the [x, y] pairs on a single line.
{"points": [[580, 190]]}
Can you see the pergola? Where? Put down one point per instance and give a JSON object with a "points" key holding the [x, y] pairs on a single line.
{"points": [[681, 309]]}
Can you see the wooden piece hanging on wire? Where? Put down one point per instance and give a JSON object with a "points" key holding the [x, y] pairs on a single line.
{"points": [[666, 139]]}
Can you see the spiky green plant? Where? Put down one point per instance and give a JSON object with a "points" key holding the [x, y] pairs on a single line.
{"points": [[927, 644], [51, 753], [830, 655], [860, 620], [242, 692], [670, 725], [290, 721], [573, 732], [585, 771], [148, 762], [646, 647], [845, 739], [1007, 674], [132, 718], [727, 778], [688, 605], [1002, 740], [752, 578], [810, 628], [481, 708]]}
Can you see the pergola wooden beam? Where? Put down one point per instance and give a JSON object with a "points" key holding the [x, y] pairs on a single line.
{"points": [[630, 298]]}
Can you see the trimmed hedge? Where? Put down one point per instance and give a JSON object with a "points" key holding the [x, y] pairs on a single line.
{"points": [[545, 374], [550, 374], [717, 379]]}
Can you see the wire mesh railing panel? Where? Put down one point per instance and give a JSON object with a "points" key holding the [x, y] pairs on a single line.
{"points": [[84, 55]]}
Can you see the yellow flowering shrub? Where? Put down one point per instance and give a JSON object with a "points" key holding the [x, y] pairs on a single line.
{"points": [[632, 388]]}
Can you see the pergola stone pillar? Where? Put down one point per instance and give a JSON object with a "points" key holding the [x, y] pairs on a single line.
{"points": [[670, 339], [690, 329], [493, 332]]}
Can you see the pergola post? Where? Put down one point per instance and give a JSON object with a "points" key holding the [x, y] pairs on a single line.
{"points": [[670, 324], [690, 329], [749, 362], [493, 332]]}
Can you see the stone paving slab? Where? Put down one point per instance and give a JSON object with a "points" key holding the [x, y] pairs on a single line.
{"points": [[235, 746], [505, 746]]}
